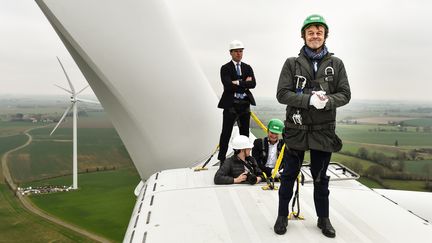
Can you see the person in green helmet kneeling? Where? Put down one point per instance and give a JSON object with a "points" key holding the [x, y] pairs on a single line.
{"points": [[266, 150]]}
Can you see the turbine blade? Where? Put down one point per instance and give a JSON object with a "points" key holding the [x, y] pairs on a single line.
{"points": [[67, 77], [82, 89], [62, 118], [70, 92], [88, 101]]}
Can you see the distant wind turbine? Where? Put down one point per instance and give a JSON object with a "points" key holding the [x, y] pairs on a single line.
{"points": [[74, 103]]}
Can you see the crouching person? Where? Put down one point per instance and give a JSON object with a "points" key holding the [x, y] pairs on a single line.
{"points": [[266, 150], [241, 167]]}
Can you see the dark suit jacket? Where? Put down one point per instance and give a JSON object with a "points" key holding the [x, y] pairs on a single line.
{"points": [[260, 153], [228, 74]]}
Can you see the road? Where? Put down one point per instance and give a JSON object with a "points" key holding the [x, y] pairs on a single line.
{"points": [[30, 206]]}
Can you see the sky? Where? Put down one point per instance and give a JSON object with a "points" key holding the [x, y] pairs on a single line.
{"points": [[385, 45]]}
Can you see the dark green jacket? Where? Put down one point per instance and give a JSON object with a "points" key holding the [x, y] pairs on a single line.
{"points": [[318, 130]]}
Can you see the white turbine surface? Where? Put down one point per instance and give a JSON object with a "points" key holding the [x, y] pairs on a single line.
{"points": [[155, 94]]}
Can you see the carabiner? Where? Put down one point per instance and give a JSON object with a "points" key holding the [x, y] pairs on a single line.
{"points": [[300, 80]]}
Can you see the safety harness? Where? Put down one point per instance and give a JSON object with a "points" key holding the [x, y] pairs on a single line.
{"points": [[300, 85]]}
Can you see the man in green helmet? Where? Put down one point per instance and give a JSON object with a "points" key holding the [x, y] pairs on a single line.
{"points": [[312, 86], [266, 150]]}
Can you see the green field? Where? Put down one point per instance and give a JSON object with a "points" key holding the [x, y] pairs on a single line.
{"points": [[336, 157], [46, 157], [14, 128], [406, 185], [356, 134], [362, 134], [348, 160], [389, 151], [417, 166], [365, 134], [419, 122], [18, 225], [103, 204], [370, 183], [11, 142]]}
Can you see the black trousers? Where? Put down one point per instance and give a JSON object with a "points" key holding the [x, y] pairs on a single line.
{"points": [[267, 170], [293, 160], [239, 113]]}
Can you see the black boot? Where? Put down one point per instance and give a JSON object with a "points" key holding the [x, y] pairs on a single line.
{"points": [[326, 227], [281, 225]]}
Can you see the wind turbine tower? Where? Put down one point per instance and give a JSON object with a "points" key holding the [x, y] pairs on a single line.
{"points": [[74, 106]]}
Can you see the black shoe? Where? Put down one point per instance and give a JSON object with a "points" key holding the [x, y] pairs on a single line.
{"points": [[281, 225], [326, 227]]}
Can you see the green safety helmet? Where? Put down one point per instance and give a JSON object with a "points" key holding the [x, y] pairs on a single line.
{"points": [[314, 19], [275, 126]]}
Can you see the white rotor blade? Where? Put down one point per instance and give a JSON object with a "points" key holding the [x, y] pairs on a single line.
{"points": [[82, 90], [67, 77], [62, 118], [88, 101], [70, 92]]}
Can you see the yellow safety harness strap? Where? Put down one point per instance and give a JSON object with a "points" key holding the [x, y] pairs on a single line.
{"points": [[270, 183], [278, 162], [207, 161]]}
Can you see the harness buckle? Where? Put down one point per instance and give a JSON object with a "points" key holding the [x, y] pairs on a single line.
{"points": [[329, 71]]}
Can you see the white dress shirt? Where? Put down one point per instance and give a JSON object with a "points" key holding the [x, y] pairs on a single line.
{"points": [[272, 155]]}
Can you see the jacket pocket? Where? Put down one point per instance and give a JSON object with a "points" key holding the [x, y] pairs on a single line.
{"points": [[325, 140], [295, 138]]}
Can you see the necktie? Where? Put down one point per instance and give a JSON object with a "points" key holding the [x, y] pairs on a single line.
{"points": [[238, 69]]}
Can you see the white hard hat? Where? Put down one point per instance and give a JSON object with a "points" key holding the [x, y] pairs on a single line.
{"points": [[241, 142], [236, 44]]}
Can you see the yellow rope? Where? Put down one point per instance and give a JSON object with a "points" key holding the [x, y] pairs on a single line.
{"points": [[278, 162], [200, 168], [257, 120]]}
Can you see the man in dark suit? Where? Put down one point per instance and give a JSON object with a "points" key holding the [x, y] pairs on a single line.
{"points": [[237, 78], [266, 150]]}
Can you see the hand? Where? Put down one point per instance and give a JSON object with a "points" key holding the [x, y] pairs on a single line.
{"points": [[240, 178], [236, 82], [318, 100], [321, 94], [258, 180], [249, 79]]}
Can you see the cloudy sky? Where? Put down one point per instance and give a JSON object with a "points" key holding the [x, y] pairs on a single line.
{"points": [[385, 45]]}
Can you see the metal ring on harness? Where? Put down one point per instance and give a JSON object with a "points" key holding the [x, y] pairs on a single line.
{"points": [[327, 69]]}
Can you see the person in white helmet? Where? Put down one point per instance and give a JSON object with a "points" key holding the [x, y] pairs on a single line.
{"points": [[241, 167], [237, 78]]}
